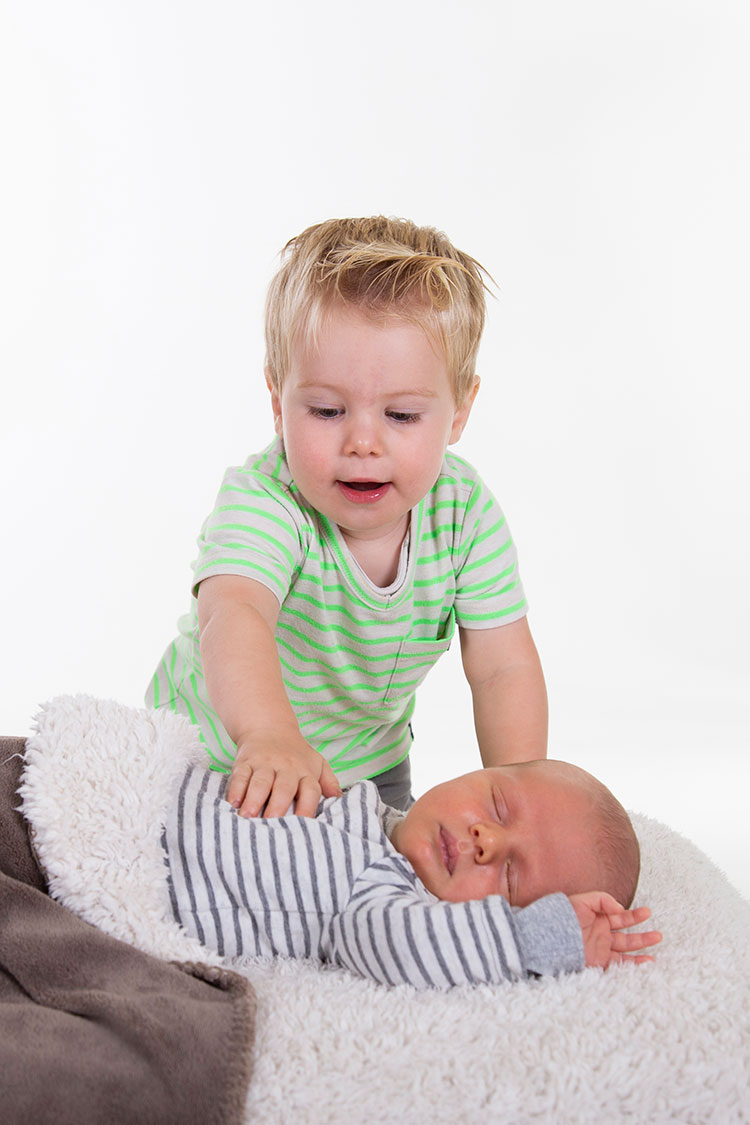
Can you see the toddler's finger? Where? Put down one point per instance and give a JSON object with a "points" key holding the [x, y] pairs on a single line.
{"points": [[238, 783], [282, 793], [329, 783], [258, 789], [308, 796]]}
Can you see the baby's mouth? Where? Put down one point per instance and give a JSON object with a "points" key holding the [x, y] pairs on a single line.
{"points": [[448, 850]]}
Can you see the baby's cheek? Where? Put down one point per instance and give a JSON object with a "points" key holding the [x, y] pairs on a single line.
{"points": [[474, 886], [489, 883]]}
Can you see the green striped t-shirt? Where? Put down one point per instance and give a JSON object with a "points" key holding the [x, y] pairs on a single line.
{"points": [[352, 655]]}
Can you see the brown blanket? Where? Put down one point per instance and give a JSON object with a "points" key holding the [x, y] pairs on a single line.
{"points": [[92, 1030]]}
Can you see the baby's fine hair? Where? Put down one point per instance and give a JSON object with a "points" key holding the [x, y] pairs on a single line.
{"points": [[614, 842], [382, 267]]}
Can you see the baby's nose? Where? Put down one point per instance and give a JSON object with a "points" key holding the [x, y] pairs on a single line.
{"points": [[487, 842]]}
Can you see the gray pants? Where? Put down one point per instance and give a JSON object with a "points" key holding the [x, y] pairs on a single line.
{"points": [[394, 786]]}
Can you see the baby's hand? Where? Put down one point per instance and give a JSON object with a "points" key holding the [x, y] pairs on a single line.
{"points": [[277, 770], [601, 917]]}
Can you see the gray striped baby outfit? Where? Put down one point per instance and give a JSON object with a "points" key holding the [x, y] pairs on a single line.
{"points": [[334, 889]]}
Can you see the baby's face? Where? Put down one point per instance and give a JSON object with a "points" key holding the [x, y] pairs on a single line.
{"points": [[366, 417], [518, 831]]}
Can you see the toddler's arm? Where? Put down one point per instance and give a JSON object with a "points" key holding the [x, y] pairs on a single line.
{"points": [[237, 618], [509, 695], [601, 917]]}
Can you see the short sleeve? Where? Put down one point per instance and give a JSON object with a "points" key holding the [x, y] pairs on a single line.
{"points": [[488, 582], [255, 530]]}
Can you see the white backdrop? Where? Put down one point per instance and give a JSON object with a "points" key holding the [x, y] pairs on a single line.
{"points": [[594, 156]]}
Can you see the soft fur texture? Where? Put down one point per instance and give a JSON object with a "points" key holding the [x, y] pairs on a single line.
{"points": [[667, 1042]]}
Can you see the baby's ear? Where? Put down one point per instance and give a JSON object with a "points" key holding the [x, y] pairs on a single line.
{"points": [[461, 416]]}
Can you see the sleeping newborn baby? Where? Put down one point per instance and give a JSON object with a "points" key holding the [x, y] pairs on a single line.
{"points": [[508, 872]]}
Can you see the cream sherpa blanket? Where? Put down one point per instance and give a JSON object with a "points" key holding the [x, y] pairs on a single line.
{"points": [[666, 1042]]}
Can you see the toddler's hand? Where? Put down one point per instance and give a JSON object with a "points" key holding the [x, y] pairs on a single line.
{"points": [[600, 917], [277, 770]]}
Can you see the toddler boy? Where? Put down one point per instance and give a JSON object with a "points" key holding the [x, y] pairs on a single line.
{"points": [[337, 562], [485, 878]]}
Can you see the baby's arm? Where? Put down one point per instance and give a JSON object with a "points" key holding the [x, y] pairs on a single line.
{"points": [[237, 618], [389, 933], [601, 917], [509, 695], [392, 933]]}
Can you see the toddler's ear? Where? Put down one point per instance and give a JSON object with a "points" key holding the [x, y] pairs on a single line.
{"points": [[461, 417], [275, 404]]}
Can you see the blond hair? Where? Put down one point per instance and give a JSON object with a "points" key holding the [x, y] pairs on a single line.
{"points": [[382, 267]]}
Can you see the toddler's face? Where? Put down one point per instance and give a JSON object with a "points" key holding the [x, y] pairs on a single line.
{"points": [[517, 831], [366, 418]]}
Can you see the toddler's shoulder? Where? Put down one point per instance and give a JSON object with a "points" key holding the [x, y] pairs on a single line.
{"points": [[458, 487], [458, 476], [267, 469], [263, 486]]}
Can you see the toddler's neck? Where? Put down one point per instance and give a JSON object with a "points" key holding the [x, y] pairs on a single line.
{"points": [[380, 559]]}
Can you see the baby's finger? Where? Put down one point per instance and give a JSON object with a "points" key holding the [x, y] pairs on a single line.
{"points": [[622, 943], [630, 958], [637, 915], [623, 919]]}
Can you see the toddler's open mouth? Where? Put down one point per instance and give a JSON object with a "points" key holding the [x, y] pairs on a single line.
{"points": [[363, 491]]}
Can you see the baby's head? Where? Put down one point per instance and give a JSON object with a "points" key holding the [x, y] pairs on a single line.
{"points": [[386, 270], [522, 831]]}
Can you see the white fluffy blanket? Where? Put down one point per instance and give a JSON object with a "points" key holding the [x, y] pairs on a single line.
{"points": [[666, 1042]]}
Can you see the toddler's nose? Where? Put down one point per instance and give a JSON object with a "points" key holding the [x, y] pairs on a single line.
{"points": [[363, 438]]}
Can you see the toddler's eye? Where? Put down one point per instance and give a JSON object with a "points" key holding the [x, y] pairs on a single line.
{"points": [[324, 411], [404, 416]]}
